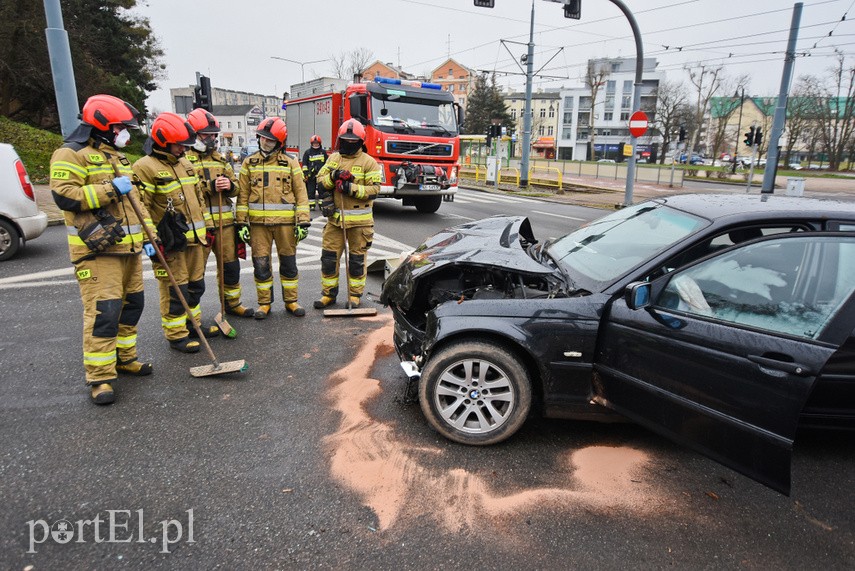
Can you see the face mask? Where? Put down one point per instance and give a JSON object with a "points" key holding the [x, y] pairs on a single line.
{"points": [[349, 147], [122, 139], [208, 145], [200, 146], [266, 145]]}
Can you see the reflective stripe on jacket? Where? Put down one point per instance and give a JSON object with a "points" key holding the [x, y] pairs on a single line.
{"points": [[208, 168]]}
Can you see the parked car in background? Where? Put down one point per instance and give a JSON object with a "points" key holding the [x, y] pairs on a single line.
{"points": [[695, 160], [724, 322], [20, 217], [795, 166], [607, 161]]}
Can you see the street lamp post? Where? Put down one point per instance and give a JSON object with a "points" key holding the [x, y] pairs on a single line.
{"points": [[302, 65]]}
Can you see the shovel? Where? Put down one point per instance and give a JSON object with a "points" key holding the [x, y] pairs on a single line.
{"points": [[215, 368], [220, 319], [349, 311]]}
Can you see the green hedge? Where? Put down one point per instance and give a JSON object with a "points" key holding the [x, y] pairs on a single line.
{"points": [[35, 147]]}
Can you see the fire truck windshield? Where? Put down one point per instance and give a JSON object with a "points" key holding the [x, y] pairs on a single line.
{"points": [[398, 114]]}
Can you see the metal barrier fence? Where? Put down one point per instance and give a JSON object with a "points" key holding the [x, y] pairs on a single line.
{"points": [[545, 176], [510, 177]]}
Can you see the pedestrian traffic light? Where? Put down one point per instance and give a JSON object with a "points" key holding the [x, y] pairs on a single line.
{"points": [[682, 136], [758, 137], [489, 133], [202, 94], [749, 137]]}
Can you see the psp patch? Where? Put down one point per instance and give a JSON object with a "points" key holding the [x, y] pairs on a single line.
{"points": [[59, 174], [84, 274]]}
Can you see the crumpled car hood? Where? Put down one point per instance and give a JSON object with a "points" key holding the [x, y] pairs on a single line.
{"points": [[490, 243]]}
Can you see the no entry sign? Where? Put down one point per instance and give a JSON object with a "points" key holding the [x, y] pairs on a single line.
{"points": [[638, 124]]}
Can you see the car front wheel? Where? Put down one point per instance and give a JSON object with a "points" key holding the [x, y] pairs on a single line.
{"points": [[475, 393]]}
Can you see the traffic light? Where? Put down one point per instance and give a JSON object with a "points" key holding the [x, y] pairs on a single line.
{"points": [[682, 136], [489, 133], [202, 94], [573, 9], [758, 137], [749, 137]]}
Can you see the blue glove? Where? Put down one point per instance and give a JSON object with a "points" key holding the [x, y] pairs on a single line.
{"points": [[148, 249], [122, 184]]}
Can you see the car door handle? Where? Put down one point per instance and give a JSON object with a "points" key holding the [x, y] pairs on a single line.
{"points": [[777, 364]]}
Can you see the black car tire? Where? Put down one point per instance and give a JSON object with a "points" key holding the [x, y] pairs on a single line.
{"points": [[10, 240], [428, 204], [486, 413]]}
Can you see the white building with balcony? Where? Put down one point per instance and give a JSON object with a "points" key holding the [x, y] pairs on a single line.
{"points": [[609, 115]]}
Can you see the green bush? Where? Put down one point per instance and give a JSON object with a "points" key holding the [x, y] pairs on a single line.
{"points": [[35, 147]]}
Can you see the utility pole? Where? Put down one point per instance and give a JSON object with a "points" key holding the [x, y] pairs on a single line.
{"points": [[738, 129], [61, 68], [781, 109], [526, 142]]}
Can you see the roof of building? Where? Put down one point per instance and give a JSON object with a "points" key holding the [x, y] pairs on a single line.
{"points": [[446, 62], [396, 69], [232, 110]]}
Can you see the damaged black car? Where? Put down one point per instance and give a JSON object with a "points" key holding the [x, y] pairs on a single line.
{"points": [[724, 322]]}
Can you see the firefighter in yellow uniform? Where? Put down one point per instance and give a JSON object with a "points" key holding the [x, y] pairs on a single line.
{"points": [[217, 177], [351, 182], [89, 179], [173, 195], [273, 206]]}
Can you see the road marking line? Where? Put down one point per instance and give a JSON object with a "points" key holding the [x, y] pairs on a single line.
{"points": [[560, 216]]}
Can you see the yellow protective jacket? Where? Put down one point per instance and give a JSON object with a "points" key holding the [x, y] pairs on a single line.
{"points": [[208, 168], [366, 172], [170, 182], [272, 191], [81, 178]]}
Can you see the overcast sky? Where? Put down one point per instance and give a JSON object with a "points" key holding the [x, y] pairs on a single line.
{"points": [[232, 41]]}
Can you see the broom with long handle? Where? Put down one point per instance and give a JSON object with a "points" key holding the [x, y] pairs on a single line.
{"points": [[215, 368]]}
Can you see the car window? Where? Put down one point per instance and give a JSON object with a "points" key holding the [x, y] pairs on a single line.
{"points": [[792, 286], [609, 247]]}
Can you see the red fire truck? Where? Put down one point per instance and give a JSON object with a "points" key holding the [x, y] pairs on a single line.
{"points": [[411, 129]]}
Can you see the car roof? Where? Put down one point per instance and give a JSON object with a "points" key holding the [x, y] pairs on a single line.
{"points": [[746, 207]]}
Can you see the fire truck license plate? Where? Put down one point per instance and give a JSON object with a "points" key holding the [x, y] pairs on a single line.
{"points": [[428, 187]]}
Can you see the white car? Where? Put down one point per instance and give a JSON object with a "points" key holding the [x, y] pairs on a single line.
{"points": [[20, 217]]}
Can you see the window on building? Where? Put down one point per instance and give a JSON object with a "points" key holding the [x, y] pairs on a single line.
{"points": [[228, 124], [624, 116], [568, 103], [451, 73], [540, 131], [567, 133], [238, 124], [584, 118], [550, 131], [584, 103], [583, 136], [451, 88], [514, 114], [626, 102], [611, 85], [609, 116], [542, 113], [606, 132], [609, 104], [627, 88], [568, 118], [551, 111]]}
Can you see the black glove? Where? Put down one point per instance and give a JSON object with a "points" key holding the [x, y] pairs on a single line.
{"points": [[345, 174], [327, 205], [301, 231], [210, 237], [343, 186]]}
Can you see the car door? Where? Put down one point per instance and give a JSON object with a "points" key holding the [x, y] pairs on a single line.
{"points": [[726, 355]]}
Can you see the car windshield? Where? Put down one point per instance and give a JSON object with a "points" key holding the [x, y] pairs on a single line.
{"points": [[607, 248], [396, 114]]}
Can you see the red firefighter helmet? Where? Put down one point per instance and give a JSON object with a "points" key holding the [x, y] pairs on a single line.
{"points": [[171, 128], [101, 111], [273, 128], [351, 130], [315, 139], [203, 122]]}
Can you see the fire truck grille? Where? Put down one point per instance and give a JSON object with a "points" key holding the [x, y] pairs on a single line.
{"points": [[420, 149]]}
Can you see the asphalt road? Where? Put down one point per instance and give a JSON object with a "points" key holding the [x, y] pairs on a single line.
{"points": [[317, 458]]}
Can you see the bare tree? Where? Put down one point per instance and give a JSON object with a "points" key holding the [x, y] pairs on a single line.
{"points": [[347, 64], [836, 109], [671, 101], [799, 117], [595, 77], [707, 82]]}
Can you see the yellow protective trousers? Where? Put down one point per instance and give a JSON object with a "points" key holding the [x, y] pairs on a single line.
{"points": [[261, 240], [111, 288], [359, 241], [188, 268], [231, 265]]}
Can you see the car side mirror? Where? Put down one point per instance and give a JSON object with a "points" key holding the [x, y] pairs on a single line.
{"points": [[358, 108], [461, 116], [637, 295]]}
